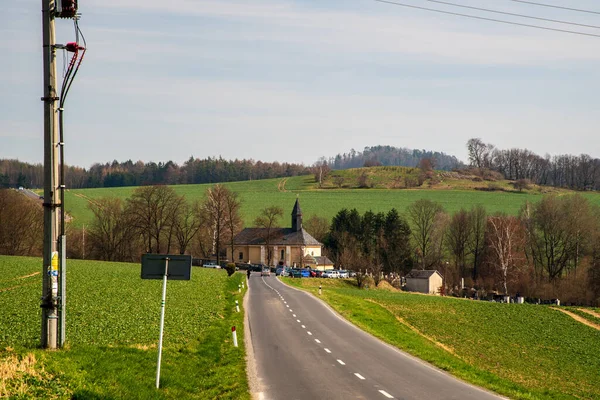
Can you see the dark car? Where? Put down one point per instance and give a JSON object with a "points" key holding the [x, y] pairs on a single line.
{"points": [[295, 273]]}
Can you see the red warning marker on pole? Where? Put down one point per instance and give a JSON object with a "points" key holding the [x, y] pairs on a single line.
{"points": [[235, 343]]}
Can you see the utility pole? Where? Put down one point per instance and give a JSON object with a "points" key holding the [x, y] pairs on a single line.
{"points": [[49, 303]]}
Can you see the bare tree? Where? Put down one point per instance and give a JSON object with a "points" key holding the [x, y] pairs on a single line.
{"points": [[21, 223], [422, 214], [477, 150], [111, 235], [521, 184], [234, 220], [457, 237], [475, 244], [505, 238], [318, 227], [187, 225], [218, 203], [339, 180], [556, 227], [153, 210], [268, 218]]}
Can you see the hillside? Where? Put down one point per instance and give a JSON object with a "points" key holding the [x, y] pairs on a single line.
{"points": [[522, 351], [451, 189]]}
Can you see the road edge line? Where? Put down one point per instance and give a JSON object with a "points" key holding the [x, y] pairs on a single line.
{"points": [[392, 347]]}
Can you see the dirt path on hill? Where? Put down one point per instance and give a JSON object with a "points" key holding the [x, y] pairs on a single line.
{"points": [[591, 312], [89, 200], [281, 185], [578, 318]]}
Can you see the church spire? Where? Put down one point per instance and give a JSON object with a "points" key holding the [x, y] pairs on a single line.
{"points": [[297, 217]]}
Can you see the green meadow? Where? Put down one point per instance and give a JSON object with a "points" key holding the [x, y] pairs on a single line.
{"points": [[112, 334], [256, 195], [519, 350]]}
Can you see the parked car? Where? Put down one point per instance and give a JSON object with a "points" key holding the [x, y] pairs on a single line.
{"points": [[266, 271], [305, 272], [295, 273], [352, 274], [211, 264], [344, 274], [331, 273]]}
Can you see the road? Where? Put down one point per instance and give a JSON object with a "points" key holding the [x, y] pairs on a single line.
{"points": [[305, 351]]}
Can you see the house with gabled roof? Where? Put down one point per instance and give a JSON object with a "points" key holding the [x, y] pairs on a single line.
{"points": [[288, 246], [424, 281]]}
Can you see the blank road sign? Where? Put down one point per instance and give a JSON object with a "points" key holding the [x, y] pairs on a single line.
{"points": [[180, 266]]}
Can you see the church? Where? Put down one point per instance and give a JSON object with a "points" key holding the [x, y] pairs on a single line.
{"points": [[290, 247]]}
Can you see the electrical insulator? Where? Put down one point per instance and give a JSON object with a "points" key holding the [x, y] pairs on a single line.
{"points": [[65, 9]]}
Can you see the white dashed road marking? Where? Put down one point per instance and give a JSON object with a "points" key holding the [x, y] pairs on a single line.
{"points": [[359, 376]]}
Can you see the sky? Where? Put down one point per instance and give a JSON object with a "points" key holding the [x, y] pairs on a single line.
{"points": [[296, 80]]}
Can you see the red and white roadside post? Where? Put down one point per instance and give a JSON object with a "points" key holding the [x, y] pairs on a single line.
{"points": [[234, 333]]}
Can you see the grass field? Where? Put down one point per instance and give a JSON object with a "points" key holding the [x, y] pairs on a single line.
{"points": [[255, 195], [519, 350], [112, 334]]}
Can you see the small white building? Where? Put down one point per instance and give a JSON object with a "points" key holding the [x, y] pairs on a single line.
{"points": [[424, 281]]}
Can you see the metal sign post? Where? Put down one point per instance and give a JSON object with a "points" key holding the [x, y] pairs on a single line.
{"points": [[165, 267], [162, 321]]}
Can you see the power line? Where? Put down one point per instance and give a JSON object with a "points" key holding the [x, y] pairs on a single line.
{"points": [[488, 19], [514, 14], [559, 7]]}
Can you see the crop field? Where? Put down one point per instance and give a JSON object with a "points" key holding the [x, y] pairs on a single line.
{"points": [[593, 317], [112, 333], [519, 350], [256, 195]]}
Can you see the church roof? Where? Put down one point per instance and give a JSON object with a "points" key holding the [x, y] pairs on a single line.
{"points": [[422, 274], [296, 210], [279, 237]]}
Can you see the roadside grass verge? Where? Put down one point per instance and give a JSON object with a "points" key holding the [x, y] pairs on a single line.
{"points": [[518, 350], [112, 334]]}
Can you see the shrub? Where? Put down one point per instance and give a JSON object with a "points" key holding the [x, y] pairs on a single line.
{"points": [[230, 268]]}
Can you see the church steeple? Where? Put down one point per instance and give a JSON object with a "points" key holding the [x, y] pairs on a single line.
{"points": [[297, 217]]}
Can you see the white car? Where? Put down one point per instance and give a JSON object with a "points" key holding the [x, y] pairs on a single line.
{"points": [[344, 274], [331, 273], [211, 264]]}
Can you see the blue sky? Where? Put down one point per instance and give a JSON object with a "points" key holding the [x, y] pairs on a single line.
{"points": [[296, 80]]}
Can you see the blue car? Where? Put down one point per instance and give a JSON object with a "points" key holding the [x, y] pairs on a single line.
{"points": [[305, 273]]}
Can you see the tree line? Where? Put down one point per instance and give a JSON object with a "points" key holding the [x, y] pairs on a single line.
{"points": [[580, 172], [550, 250], [154, 219], [390, 156], [14, 173]]}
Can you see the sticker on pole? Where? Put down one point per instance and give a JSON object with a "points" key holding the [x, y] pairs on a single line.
{"points": [[54, 261], [153, 266]]}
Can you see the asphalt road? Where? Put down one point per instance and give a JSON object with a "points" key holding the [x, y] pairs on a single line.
{"points": [[303, 350]]}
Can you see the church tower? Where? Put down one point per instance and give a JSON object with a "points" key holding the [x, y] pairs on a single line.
{"points": [[297, 217]]}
